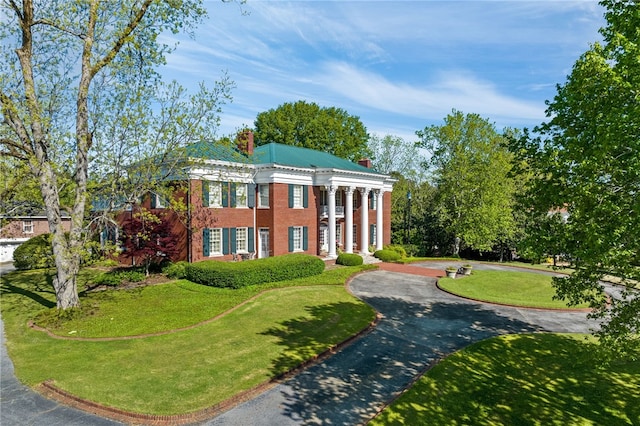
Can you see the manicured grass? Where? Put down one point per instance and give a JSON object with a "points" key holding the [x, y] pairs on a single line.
{"points": [[164, 307], [540, 266], [507, 287], [188, 370], [540, 379]]}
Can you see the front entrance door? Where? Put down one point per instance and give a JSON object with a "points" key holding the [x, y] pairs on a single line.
{"points": [[263, 244]]}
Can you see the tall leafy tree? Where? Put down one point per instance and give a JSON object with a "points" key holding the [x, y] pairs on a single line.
{"points": [[79, 87], [587, 160], [470, 165], [308, 125], [395, 154]]}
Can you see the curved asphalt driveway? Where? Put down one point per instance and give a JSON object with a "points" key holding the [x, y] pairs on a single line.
{"points": [[420, 325]]}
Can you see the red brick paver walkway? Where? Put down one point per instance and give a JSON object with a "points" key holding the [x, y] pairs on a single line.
{"points": [[410, 269]]}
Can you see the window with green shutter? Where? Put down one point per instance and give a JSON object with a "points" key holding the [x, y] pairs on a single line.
{"points": [[233, 240], [225, 194], [372, 234], [205, 242], [305, 238], [205, 193], [305, 196], [225, 240], [290, 238], [250, 239], [291, 197]]}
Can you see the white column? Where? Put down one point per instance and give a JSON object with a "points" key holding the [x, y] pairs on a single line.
{"points": [[348, 220], [331, 190], [379, 219], [364, 211]]}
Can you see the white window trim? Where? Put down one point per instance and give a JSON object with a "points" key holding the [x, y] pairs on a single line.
{"points": [[297, 230], [160, 204], [298, 195], [241, 199], [212, 232], [244, 249], [215, 194], [261, 205], [27, 226]]}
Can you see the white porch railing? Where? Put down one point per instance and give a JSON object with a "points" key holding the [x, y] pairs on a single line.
{"points": [[324, 211]]}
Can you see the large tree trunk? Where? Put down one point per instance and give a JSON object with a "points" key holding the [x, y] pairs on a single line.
{"points": [[65, 285]]}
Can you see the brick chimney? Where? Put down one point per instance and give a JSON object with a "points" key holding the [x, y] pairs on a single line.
{"points": [[365, 162], [244, 141]]}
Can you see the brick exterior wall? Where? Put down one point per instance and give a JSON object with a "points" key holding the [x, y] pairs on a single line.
{"points": [[277, 218], [13, 228]]}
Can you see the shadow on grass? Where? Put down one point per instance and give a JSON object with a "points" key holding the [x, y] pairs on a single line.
{"points": [[526, 379], [21, 284], [323, 327], [351, 386]]}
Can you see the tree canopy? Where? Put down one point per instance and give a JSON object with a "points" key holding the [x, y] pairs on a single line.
{"points": [[586, 159], [79, 87], [394, 154], [308, 125], [470, 165]]}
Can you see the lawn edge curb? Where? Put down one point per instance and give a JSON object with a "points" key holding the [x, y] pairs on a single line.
{"points": [[49, 390], [576, 310]]}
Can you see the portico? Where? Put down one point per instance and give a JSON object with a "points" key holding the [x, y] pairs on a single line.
{"points": [[366, 229]]}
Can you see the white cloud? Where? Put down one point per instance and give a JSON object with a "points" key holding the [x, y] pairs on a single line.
{"points": [[433, 99]]}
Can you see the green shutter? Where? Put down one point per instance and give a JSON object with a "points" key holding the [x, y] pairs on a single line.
{"points": [[225, 240], [251, 195], [224, 187], [205, 193], [153, 200], [233, 240], [305, 196], [305, 238], [290, 238], [290, 197], [205, 242], [372, 203], [250, 239], [233, 194], [372, 229]]}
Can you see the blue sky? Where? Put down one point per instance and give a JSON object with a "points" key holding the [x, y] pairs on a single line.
{"points": [[398, 65]]}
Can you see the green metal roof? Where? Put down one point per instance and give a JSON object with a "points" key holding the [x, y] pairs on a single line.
{"points": [[288, 155], [274, 153], [223, 151]]}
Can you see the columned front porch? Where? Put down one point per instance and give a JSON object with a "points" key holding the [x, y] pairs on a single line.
{"points": [[331, 212]]}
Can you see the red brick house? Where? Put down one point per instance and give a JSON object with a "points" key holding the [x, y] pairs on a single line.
{"points": [[19, 227], [277, 199]]}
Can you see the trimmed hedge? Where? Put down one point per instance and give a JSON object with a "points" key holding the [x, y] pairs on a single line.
{"points": [[176, 270], [349, 259], [387, 255], [260, 271], [35, 253], [397, 248]]}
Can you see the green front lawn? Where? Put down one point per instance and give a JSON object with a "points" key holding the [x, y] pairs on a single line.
{"points": [[188, 370], [540, 379], [507, 287]]}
